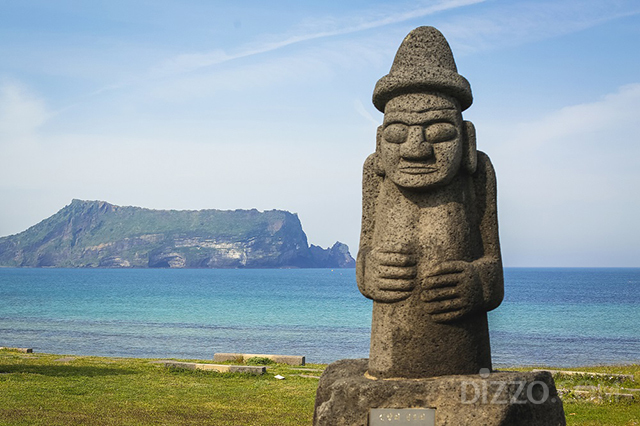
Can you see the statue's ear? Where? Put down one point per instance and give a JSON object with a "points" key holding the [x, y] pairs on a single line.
{"points": [[377, 167], [469, 153]]}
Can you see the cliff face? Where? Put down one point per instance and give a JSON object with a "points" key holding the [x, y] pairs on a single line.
{"points": [[99, 234]]}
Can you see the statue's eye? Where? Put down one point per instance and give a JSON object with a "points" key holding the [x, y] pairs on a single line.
{"points": [[440, 132], [395, 133]]}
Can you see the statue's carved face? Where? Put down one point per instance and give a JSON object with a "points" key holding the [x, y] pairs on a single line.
{"points": [[421, 142]]}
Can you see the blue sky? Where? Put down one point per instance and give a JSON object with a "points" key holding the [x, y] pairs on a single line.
{"points": [[205, 104]]}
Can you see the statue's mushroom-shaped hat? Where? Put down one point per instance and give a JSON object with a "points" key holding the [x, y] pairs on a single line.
{"points": [[424, 62]]}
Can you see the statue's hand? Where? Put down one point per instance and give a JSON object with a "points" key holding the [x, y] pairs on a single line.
{"points": [[390, 273], [452, 290]]}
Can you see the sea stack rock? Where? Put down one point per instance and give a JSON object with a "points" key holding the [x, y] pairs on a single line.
{"points": [[430, 260]]}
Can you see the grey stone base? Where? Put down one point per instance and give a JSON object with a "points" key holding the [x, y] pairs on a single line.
{"points": [[345, 397]]}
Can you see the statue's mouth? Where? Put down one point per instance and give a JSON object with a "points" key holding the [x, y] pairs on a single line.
{"points": [[417, 170]]}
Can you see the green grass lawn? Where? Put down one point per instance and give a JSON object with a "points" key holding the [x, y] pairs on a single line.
{"points": [[597, 401], [37, 389], [45, 389]]}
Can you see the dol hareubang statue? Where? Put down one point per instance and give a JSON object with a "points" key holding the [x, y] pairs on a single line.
{"points": [[430, 260], [429, 251]]}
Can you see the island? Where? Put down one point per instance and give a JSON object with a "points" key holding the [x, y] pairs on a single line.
{"points": [[92, 234]]}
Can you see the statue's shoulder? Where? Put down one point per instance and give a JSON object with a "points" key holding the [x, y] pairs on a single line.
{"points": [[484, 177], [484, 161], [484, 169], [371, 177], [369, 163]]}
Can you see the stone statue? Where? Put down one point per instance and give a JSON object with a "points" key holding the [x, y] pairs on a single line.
{"points": [[429, 251], [430, 260]]}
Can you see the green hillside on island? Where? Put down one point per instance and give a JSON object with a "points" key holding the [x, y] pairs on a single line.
{"points": [[99, 234]]}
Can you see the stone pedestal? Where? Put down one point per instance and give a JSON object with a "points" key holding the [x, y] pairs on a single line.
{"points": [[346, 395]]}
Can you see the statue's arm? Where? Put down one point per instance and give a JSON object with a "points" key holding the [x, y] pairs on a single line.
{"points": [[489, 266], [385, 273], [457, 288]]}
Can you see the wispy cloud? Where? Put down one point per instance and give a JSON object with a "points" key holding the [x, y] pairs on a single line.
{"points": [[192, 61], [581, 127], [21, 112], [567, 180], [495, 26], [363, 112], [491, 26], [527, 21]]}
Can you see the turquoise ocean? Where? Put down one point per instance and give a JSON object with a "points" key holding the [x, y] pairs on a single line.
{"points": [[556, 316]]}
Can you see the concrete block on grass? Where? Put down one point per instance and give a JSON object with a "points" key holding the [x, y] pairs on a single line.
{"points": [[251, 369], [280, 359], [23, 350]]}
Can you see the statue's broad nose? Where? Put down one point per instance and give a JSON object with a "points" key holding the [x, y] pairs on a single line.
{"points": [[416, 147]]}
